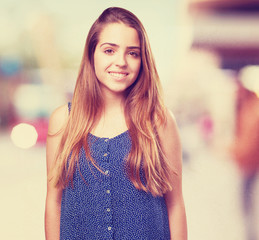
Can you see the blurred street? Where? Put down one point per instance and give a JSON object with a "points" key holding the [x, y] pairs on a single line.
{"points": [[23, 191]]}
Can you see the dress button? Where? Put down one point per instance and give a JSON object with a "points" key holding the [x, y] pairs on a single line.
{"points": [[108, 209], [109, 228], [106, 172], [106, 140], [108, 191], [105, 154]]}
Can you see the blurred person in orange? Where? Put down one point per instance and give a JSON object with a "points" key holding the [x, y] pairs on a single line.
{"points": [[246, 152], [114, 154]]}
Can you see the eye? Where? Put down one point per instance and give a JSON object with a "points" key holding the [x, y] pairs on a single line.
{"points": [[109, 51], [134, 54]]}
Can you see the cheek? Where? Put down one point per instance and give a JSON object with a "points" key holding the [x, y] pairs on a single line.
{"points": [[101, 63], [95, 63], [136, 67], [98, 66]]}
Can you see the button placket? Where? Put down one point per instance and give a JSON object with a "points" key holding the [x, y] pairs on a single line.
{"points": [[107, 207], [106, 150], [108, 213], [106, 157]]}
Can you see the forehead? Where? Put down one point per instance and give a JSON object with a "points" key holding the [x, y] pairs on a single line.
{"points": [[120, 34]]}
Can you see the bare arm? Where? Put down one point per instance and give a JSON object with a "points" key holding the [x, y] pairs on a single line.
{"points": [[174, 199], [53, 199]]}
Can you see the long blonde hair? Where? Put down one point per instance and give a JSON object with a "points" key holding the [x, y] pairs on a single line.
{"points": [[144, 113]]}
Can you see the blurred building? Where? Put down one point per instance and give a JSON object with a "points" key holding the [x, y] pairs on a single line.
{"points": [[229, 27]]}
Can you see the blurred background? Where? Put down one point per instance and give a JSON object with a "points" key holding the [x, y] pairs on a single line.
{"points": [[207, 55]]}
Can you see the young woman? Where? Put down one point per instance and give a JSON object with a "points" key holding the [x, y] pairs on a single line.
{"points": [[113, 154]]}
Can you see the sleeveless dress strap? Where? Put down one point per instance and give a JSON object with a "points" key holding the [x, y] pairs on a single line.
{"points": [[69, 106]]}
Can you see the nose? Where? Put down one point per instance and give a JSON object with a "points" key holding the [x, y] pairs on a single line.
{"points": [[121, 60]]}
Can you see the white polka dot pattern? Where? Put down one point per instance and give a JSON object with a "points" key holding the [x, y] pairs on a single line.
{"points": [[109, 206]]}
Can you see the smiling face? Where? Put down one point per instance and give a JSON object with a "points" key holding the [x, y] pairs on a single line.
{"points": [[117, 58]]}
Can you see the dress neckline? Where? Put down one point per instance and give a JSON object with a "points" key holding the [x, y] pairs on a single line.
{"points": [[110, 138]]}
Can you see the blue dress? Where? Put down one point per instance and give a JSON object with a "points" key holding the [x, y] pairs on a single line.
{"points": [[109, 206]]}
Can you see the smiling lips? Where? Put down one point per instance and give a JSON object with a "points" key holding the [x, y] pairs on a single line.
{"points": [[118, 75]]}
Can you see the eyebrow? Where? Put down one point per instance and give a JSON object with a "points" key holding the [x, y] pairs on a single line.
{"points": [[115, 45]]}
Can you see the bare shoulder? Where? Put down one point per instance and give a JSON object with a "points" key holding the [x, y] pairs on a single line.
{"points": [[170, 141], [58, 119], [169, 129], [171, 122]]}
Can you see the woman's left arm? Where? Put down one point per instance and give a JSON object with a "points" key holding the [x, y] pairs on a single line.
{"points": [[171, 145]]}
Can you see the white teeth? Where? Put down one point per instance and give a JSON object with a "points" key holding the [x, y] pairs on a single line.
{"points": [[118, 75]]}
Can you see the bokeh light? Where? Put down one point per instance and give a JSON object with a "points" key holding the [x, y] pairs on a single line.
{"points": [[249, 77], [24, 135]]}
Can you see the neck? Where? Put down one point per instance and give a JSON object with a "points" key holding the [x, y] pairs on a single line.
{"points": [[113, 102], [111, 120]]}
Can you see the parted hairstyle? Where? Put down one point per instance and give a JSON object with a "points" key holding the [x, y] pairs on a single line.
{"points": [[144, 113]]}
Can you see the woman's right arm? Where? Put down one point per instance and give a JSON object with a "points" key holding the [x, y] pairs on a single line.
{"points": [[53, 200]]}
